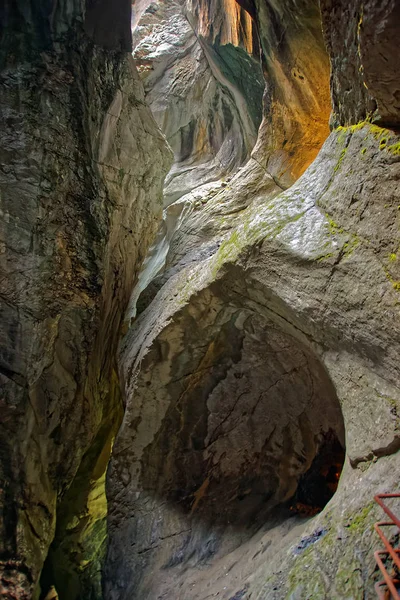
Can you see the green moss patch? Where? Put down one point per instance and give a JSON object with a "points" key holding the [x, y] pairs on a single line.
{"points": [[341, 157], [360, 521], [333, 227], [394, 149], [384, 136]]}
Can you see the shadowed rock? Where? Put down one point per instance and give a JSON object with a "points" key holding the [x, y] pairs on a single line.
{"points": [[82, 163]]}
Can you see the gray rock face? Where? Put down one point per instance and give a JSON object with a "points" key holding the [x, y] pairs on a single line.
{"points": [[200, 63], [295, 299], [265, 355], [203, 85], [268, 346], [82, 163], [361, 39], [226, 425]]}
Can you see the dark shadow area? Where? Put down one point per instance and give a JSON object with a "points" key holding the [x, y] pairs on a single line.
{"points": [[109, 24], [253, 424], [317, 486]]}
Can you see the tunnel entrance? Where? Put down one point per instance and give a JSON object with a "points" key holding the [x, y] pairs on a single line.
{"points": [[317, 485], [248, 422], [257, 423]]}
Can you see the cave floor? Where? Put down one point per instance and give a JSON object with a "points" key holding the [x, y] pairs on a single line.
{"points": [[229, 576]]}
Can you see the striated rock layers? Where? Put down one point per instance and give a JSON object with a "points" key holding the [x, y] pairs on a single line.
{"points": [[263, 363], [82, 163], [201, 69], [200, 64], [269, 346]]}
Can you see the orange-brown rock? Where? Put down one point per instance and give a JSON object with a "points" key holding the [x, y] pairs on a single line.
{"points": [[296, 99]]}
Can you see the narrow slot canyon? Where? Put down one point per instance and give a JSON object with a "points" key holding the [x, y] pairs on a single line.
{"points": [[199, 298], [232, 419]]}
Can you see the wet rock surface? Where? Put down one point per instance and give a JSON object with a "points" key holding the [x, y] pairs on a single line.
{"points": [[204, 84], [296, 99]]}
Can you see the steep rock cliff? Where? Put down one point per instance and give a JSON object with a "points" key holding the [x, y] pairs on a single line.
{"points": [[265, 355], [361, 38], [82, 163], [200, 63], [296, 98], [205, 397]]}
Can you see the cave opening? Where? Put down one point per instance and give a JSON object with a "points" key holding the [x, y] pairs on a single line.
{"points": [[319, 483], [251, 432], [258, 424]]}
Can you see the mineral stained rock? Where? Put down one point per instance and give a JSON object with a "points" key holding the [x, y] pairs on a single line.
{"points": [[296, 98], [200, 64], [231, 372], [82, 164]]}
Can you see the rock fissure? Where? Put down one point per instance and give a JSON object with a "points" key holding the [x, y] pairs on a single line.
{"points": [[391, 448]]}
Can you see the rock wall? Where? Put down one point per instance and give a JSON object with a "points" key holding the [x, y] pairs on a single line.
{"points": [[82, 164], [203, 80], [200, 63], [360, 39], [296, 99], [265, 356], [269, 346], [204, 358]]}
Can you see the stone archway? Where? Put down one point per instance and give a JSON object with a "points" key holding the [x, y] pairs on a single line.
{"points": [[232, 416]]}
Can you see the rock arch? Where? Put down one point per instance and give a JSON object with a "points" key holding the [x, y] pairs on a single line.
{"points": [[231, 416]]}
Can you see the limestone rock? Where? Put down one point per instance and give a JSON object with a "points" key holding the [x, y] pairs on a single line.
{"points": [[308, 276], [82, 163], [200, 64], [263, 360], [296, 98], [267, 348], [361, 39], [204, 84]]}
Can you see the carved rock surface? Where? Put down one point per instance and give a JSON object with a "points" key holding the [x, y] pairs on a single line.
{"points": [[203, 80], [297, 291], [82, 163], [200, 63], [267, 346], [361, 39], [296, 99], [265, 355]]}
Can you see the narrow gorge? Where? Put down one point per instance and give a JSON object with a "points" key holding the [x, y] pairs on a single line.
{"points": [[199, 298]]}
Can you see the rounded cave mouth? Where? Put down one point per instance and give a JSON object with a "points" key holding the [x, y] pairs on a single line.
{"points": [[254, 424]]}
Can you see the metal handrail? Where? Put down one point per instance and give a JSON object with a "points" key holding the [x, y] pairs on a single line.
{"points": [[390, 584]]}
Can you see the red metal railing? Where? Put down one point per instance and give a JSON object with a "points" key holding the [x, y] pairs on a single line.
{"points": [[389, 587]]}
